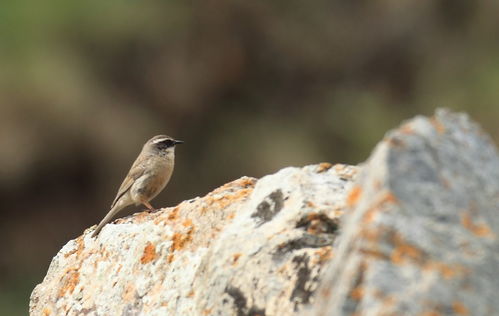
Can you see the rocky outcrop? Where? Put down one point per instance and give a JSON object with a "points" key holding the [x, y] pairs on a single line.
{"points": [[419, 236], [248, 248]]}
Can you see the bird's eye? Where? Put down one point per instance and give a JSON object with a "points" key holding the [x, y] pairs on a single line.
{"points": [[168, 143]]}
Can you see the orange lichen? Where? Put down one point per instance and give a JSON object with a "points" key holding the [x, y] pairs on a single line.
{"points": [[396, 142], [105, 254], [357, 293], [231, 198], [187, 222], [235, 258], [386, 300], [448, 271], [247, 182], [316, 223], [315, 227], [223, 202], [371, 235], [47, 312], [459, 308], [406, 129], [190, 294], [310, 204], [374, 253], [323, 166], [149, 253], [223, 197], [404, 252], [71, 279], [439, 127], [370, 214], [325, 254], [354, 196], [170, 258], [207, 311], [180, 240], [388, 198], [235, 185], [313, 215], [78, 249], [480, 230], [173, 214]]}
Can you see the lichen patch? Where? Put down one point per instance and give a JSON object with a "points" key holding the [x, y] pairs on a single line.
{"points": [[149, 253], [354, 196], [478, 229], [70, 280]]}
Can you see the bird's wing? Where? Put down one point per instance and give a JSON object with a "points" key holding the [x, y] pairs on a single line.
{"points": [[132, 175]]}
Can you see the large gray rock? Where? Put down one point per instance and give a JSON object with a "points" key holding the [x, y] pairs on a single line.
{"points": [[421, 237], [248, 248]]}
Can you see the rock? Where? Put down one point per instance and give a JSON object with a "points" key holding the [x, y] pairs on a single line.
{"points": [[247, 248], [421, 234], [419, 237]]}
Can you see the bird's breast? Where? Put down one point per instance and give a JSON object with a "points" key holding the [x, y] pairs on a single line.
{"points": [[152, 181]]}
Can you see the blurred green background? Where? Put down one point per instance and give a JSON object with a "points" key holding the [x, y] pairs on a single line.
{"points": [[250, 86]]}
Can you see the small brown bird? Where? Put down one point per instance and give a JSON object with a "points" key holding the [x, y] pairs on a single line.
{"points": [[148, 175]]}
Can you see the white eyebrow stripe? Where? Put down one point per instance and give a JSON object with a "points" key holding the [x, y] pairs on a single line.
{"points": [[159, 140]]}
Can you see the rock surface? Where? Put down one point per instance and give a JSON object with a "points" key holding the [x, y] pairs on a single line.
{"points": [[248, 248], [419, 237]]}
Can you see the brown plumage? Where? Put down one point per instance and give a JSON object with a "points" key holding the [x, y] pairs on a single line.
{"points": [[148, 176]]}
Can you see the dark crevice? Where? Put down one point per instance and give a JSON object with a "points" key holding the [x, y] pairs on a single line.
{"points": [[269, 207], [319, 222], [306, 241], [240, 303], [301, 295]]}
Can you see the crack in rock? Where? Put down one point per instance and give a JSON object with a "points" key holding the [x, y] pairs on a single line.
{"points": [[240, 303], [269, 207]]}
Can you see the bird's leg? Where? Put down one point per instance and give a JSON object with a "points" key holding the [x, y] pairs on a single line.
{"points": [[149, 206]]}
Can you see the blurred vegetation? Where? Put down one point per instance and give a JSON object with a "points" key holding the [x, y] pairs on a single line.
{"points": [[250, 86]]}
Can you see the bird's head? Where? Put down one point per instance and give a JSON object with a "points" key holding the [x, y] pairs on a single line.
{"points": [[162, 144]]}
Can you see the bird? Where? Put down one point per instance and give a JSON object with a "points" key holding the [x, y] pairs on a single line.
{"points": [[147, 177]]}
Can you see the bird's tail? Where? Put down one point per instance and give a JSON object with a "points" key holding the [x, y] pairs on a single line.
{"points": [[115, 209]]}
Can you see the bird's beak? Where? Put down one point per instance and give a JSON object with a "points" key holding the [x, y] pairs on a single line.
{"points": [[176, 142]]}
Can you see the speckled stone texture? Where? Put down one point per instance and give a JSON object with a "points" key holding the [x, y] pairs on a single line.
{"points": [[247, 248], [421, 235]]}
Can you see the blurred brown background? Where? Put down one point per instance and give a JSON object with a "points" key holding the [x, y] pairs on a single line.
{"points": [[250, 86]]}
